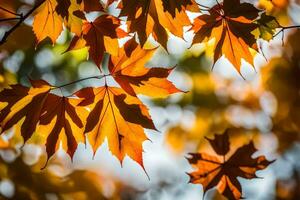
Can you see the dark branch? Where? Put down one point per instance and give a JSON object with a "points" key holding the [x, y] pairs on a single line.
{"points": [[77, 81], [10, 19], [8, 11], [21, 20], [283, 28]]}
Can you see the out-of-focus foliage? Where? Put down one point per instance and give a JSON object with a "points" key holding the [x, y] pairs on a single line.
{"points": [[25, 179], [281, 77], [277, 8]]}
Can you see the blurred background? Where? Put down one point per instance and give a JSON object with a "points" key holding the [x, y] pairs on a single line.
{"points": [[265, 107]]}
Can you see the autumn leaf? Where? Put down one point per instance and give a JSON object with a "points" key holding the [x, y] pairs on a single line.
{"points": [[19, 102], [72, 15], [53, 14], [99, 36], [173, 6], [267, 26], [230, 25], [117, 117], [90, 5], [62, 123], [47, 22], [35, 109], [128, 69], [148, 17], [222, 171]]}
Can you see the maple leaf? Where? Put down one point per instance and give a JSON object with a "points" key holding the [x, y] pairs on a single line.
{"points": [[47, 22], [72, 14], [267, 26], [99, 36], [35, 109], [150, 17], [230, 24], [18, 102], [62, 123], [53, 14], [119, 117], [221, 172], [128, 69]]}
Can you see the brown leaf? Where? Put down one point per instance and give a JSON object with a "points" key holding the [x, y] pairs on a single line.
{"points": [[220, 143], [90, 5], [18, 102], [99, 36], [221, 172], [151, 17], [61, 123], [35, 109]]}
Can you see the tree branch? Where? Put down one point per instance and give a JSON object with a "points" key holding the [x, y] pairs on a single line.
{"points": [[77, 81], [8, 11], [10, 19], [22, 19], [283, 28]]}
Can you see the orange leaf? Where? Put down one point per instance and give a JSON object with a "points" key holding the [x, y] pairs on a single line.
{"points": [[53, 14], [99, 36], [62, 123], [153, 17], [18, 102], [128, 69], [47, 22], [56, 118], [230, 24], [117, 117], [221, 172]]}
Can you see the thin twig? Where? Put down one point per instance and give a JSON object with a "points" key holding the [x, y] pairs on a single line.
{"points": [[22, 19], [10, 19], [80, 80], [8, 11], [218, 3], [203, 6], [282, 29]]}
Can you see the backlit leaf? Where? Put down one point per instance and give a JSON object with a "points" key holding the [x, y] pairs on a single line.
{"points": [[99, 36], [129, 70], [230, 24], [117, 117], [152, 17], [35, 109], [223, 171]]}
